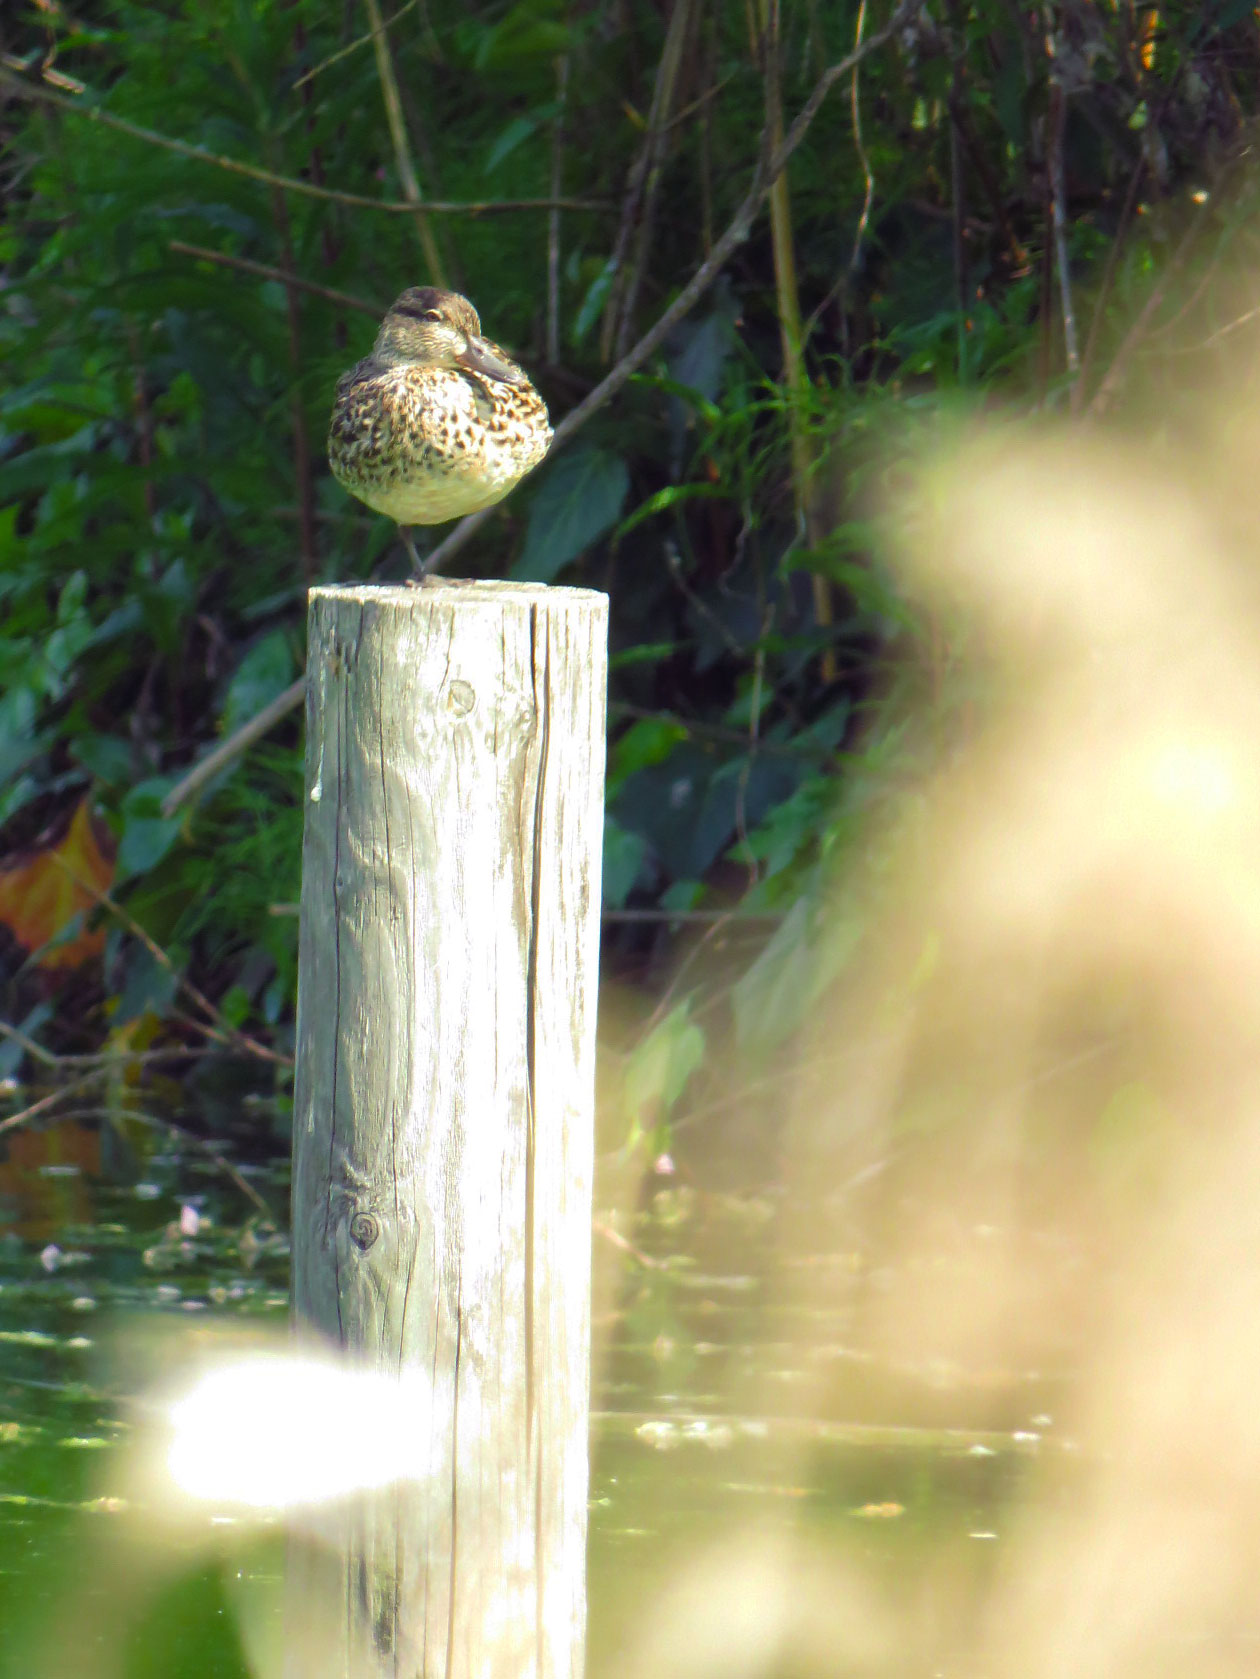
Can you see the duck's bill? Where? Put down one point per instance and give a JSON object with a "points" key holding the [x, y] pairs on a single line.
{"points": [[478, 357]]}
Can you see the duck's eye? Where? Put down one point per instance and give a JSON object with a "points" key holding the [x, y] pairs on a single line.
{"points": [[431, 315]]}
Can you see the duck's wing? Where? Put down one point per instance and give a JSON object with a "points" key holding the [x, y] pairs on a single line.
{"points": [[361, 374]]}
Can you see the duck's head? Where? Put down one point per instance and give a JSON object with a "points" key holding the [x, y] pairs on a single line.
{"points": [[431, 328]]}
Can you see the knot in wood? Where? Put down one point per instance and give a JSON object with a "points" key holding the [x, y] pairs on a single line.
{"points": [[461, 696], [364, 1230]]}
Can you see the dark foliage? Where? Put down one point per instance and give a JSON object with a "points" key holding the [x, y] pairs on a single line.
{"points": [[1032, 200]]}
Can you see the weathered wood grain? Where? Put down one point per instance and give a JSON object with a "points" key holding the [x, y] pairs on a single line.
{"points": [[443, 1124]]}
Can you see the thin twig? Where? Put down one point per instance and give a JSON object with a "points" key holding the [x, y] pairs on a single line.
{"points": [[1045, 301], [144, 419], [220, 1160], [109, 1059], [413, 115], [344, 52], [1215, 337], [37, 1052], [1191, 303], [702, 944], [702, 609], [264, 272], [617, 1240], [693, 917], [329, 241], [302, 484], [209, 1033], [958, 212], [1104, 289], [975, 151], [1058, 200], [553, 216], [694, 729], [233, 746], [198, 154], [787, 294], [266, 719], [769, 167], [611, 328], [841, 286], [1110, 382], [233, 1034], [980, 163], [750, 758], [698, 104], [859, 145], [654, 153], [112, 1115], [398, 137], [45, 1102], [706, 139], [791, 334], [51, 76]]}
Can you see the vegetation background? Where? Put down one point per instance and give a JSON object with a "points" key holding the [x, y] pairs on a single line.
{"points": [[1037, 209]]}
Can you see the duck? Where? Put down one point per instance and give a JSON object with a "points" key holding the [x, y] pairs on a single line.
{"points": [[438, 421]]}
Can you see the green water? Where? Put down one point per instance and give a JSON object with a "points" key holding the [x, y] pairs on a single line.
{"points": [[726, 1408]]}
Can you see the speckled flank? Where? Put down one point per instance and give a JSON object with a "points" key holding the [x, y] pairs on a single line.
{"points": [[424, 443]]}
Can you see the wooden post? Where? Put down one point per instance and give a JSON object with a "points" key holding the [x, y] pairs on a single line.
{"points": [[443, 1116]]}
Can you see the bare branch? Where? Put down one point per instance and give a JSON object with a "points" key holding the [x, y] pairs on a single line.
{"points": [[629, 280], [231, 1034], [868, 177], [344, 52], [35, 1109], [402, 151], [1109, 385], [27, 89], [1058, 199], [233, 746], [265, 272]]}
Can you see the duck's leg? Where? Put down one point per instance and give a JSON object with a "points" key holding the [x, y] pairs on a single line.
{"points": [[404, 531]]}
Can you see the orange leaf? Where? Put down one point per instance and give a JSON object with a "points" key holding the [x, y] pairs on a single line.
{"points": [[39, 895]]}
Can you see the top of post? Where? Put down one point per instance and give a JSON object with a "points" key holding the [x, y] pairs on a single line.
{"points": [[457, 591]]}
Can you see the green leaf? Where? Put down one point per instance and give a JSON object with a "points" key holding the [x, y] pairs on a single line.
{"points": [[149, 987], [646, 653], [107, 757], [703, 345], [580, 498], [73, 596], [648, 741], [147, 835], [11, 1050], [771, 999], [529, 31], [661, 1066], [792, 827], [592, 306], [624, 856], [517, 131], [235, 1004], [145, 841], [683, 896], [264, 673], [673, 495]]}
